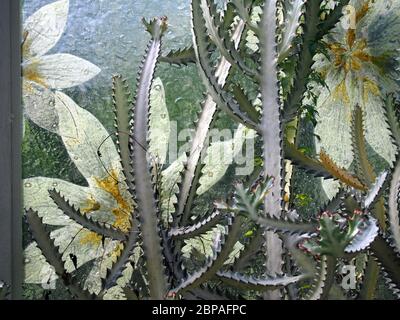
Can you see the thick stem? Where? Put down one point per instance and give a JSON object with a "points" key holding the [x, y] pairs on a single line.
{"points": [[272, 129]]}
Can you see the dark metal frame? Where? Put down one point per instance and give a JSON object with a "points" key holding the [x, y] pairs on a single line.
{"points": [[10, 147]]}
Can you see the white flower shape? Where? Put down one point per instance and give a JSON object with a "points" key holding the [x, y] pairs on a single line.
{"points": [[359, 68], [44, 74]]}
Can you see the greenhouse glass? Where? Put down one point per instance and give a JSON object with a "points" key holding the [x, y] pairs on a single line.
{"points": [[203, 149]]}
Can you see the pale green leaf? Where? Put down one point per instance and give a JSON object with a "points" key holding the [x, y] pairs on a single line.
{"points": [[44, 28], [62, 70], [159, 122], [220, 155]]}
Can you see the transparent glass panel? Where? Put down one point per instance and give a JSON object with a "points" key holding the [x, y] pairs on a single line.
{"points": [[210, 149]]}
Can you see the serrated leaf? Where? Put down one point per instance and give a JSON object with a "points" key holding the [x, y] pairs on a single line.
{"points": [[305, 162], [222, 98], [180, 57], [199, 228], [305, 60], [250, 283], [122, 102], [53, 256], [376, 190], [388, 258], [340, 173], [146, 198], [392, 118], [198, 142], [222, 249], [293, 13], [364, 237], [86, 222], [364, 168], [393, 211], [323, 279]]}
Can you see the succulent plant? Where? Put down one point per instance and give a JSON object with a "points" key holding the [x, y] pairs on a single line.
{"points": [[350, 227], [159, 273], [280, 105]]}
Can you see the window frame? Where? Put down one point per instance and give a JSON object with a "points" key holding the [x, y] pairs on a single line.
{"points": [[10, 148]]}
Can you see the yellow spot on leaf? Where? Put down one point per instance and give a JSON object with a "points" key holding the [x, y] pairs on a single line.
{"points": [[26, 45], [286, 197], [362, 12], [31, 73], [92, 205], [340, 93], [351, 37], [70, 142], [370, 87], [90, 237], [116, 252], [123, 211]]}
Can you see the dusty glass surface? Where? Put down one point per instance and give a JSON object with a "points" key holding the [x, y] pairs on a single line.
{"points": [[110, 35], [71, 51]]}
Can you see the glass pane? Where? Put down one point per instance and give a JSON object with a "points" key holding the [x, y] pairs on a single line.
{"points": [[241, 111]]}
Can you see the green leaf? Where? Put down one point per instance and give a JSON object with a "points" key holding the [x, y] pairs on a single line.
{"points": [[392, 118], [305, 162], [323, 280], [293, 13], [199, 228], [393, 211], [222, 249], [250, 283], [159, 126], [144, 189], [122, 102], [305, 60], [86, 222], [53, 256], [198, 145], [220, 155], [180, 57], [389, 259], [364, 168], [214, 87]]}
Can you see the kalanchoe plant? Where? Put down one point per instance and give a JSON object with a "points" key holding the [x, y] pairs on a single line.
{"points": [[350, 227], [159, 271], [263, 66]]}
